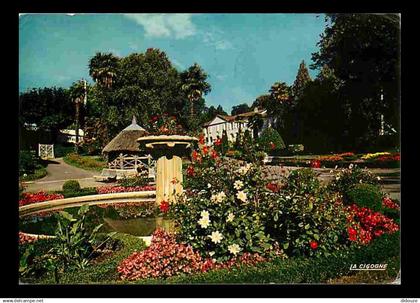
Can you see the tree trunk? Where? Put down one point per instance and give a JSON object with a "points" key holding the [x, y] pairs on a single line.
{"points": [[77, 126]]}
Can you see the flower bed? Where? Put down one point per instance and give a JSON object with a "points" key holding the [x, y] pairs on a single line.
{"points": [[122, 189], [30, 198]]}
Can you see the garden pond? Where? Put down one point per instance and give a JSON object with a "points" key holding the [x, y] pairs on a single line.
{"points": [[133, 220]]}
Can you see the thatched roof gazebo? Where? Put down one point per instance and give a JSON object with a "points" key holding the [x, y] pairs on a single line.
{"points": [[123, 153]]}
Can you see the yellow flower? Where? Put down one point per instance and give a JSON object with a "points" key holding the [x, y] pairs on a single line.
{"points": [[234, 249], [204, 214], [216, 237], [241, 195], [217, 198]]}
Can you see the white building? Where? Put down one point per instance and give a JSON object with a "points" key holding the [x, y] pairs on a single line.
{"points": [[233, 125], [69, 135]]}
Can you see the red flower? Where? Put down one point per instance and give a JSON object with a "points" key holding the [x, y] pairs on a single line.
{"points": [[315, 164], [313, 244], [205, 150], [201, 139], [194, 155], [273, 187], [214, 154], [218, 142], [164, 206], [190, 171], [272, 145], [174, 181]]}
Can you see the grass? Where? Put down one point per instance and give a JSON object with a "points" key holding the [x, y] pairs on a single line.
{"points": [[93, 163], [38, 174]]}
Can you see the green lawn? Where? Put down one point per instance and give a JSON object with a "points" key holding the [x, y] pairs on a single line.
{"points": [[94, 163], [38, 174]]}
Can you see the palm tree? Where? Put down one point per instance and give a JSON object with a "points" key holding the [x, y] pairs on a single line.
{"points": [[77, 93], [102, 68]]}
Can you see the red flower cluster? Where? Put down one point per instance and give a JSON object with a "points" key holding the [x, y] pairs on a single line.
{"points": [[122, 189], [366, 224], [30, 198], [24, 238], [214, 154], [273, 187], [201, 139], [332, 158], [218, 142], [315, 164], [387, 202], [347, 154], [190, 171], [272, 145], [120, 205], [163, 258], [387, 158], [164, 206]]}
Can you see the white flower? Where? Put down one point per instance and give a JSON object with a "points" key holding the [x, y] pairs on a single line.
{"points": [[351, 166], [204, 222], [336, 167], [230, 217], [331, 171], [204, 214], [208, 185], [337, 178], [243, 170], [360, 181], [241, 195], [25, 175], [379, 178], [217, 198], [238, 184], [216, 237], [288, 197], [211, 253], [234, 249]]}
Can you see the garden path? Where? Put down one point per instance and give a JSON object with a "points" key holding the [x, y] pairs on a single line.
{"points": [[59, 172]]}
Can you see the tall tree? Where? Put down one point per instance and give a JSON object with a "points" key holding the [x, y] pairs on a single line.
{"points": [[363, 51], [103, 68], [240, 109], [194, 84], [302, 79]]}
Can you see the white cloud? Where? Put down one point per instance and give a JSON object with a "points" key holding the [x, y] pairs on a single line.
{"points": [[214, 38], [178, 26]]}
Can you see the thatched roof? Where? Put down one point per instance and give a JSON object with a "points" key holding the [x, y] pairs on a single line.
{"points": [[126, 140]]}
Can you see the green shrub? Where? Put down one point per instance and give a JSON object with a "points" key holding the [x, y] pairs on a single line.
{"points": [[303, 181], [71, 186], [63, 150], [28, 162], [347, 178], [133, 181], [366, 195], [270, 140], [82, 192]]}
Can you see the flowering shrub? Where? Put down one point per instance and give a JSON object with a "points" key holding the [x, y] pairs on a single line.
{"points": [[122, 189], [165, 125], [366, 195], [30, 198], [365, 224], [388, 203], [315, 164], [387, 158], [165, 257], [347, 178]]}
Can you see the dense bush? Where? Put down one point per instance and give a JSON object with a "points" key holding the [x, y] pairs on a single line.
{"points": [[303, 181], [347, 178], [71, 186], [85, 162], [63, 150], [134, 181], [82, 192], [28, 162], [270, 140], [366, 195]]}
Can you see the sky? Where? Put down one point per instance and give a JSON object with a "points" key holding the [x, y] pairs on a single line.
{"points": [[243, 54]]}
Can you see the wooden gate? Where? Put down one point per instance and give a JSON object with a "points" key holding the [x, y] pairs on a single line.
{"points": [[46, 151]]}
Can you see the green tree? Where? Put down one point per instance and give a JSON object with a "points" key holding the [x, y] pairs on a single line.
{"points": [[103, 68], [51, 109], [363, 51], [240, 109], [302, 79]]}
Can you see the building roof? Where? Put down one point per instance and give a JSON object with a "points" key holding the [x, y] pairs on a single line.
{"points": [[239, 117], [126, 140]]}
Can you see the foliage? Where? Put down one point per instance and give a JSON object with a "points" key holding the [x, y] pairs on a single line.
{"points": [[71, 185], [363, 52], [302, 79], [28, 162], [366, 195], [49, 108], [81, 192], [165, 125], [75, 242], [297, 270], [347, 178], [85, 162], [133, 181], [240, 109], [61, 150], [270, 140], [133, 209]]}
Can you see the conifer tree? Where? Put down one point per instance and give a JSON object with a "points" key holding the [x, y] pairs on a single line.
{"points": [[302, 79]]}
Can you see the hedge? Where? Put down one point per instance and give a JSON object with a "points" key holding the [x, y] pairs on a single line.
{"points": [[296, 270]]}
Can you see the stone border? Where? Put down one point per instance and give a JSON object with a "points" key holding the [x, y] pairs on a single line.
{"points": [[125, 197]]}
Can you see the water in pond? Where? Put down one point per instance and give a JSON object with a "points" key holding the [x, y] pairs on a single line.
{"points": [[119, 220]]}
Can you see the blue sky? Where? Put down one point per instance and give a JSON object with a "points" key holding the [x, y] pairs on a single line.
{"points": [[243, 54]]}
